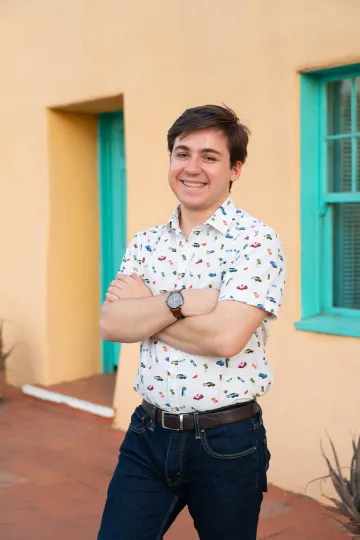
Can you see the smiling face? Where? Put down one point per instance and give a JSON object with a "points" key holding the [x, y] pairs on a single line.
{"points": [[200, 171]]}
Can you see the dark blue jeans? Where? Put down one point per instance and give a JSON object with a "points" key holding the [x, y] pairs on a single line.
{"points": [[220, 474]]}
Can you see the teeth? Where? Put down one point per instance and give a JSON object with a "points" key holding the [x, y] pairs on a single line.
{"points": [[190, 184]]}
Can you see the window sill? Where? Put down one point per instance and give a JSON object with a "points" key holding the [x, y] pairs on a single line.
{"points": [[338, 325]]}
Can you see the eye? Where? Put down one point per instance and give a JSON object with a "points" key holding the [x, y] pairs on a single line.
{"points": [[209, 158], [182, 155]]}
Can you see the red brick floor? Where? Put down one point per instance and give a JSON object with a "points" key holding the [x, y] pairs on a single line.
{"points": [[97, 389], [55, 465]]}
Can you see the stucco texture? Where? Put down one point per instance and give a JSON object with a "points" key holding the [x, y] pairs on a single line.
{"points": [[161, 57]]}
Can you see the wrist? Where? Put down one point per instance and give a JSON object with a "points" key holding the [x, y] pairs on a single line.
{"points": [[175, 301], [190, 307]]}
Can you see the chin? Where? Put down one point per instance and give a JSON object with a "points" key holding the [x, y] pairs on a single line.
{"points": [[192, 201]]}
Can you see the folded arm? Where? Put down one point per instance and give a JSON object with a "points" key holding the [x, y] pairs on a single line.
{"points": [[130, 320], [131, 313], [222, 333]]}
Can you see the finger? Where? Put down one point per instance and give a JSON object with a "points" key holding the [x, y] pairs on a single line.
{"points": [[118, 284], [111, 297], [115, 291], [137, 277], [124, 278]]}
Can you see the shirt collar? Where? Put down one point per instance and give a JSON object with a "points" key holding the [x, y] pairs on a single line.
{"points": [[220, 220]]}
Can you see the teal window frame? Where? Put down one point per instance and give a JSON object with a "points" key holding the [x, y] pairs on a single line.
{"points": [[317, 311]]}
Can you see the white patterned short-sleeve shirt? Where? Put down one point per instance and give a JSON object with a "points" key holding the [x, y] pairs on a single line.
{"points": [[241, 257]]}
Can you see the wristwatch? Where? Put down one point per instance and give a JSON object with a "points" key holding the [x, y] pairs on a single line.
{"points": [[174, 302]]}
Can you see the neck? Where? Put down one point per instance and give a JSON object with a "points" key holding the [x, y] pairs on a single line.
{"points": [[189, 219]]}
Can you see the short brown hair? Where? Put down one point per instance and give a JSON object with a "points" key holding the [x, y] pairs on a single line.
{"points": [[216, 117]]}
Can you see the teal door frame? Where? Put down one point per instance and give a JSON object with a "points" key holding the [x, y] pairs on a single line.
{"points": [[112, 195]]}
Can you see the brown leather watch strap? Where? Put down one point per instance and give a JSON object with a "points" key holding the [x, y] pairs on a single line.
{"points": [[177, 313]]}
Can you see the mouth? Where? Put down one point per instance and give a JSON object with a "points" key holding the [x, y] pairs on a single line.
{"points": [[194, 185]]}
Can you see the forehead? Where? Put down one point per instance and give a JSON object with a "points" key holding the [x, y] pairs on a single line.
{"points": [[204, 138]]}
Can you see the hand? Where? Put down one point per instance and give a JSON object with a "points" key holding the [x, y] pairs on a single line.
{"points": [[199, 301], [125, 286]]}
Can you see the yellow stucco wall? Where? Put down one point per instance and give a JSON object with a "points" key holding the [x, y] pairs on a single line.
{"points": [[163, 57], [73, 247]]}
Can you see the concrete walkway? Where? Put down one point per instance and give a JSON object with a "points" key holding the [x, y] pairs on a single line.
{"points": [[55, 466]]}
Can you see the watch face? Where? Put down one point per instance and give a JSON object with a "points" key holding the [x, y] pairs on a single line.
{"points": [[175, 300]]}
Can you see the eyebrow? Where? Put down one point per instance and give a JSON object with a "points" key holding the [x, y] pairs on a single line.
{"points": [[203, 151]]}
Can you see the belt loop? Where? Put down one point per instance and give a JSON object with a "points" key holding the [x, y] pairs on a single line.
{"points": [[152, 418], [197, 425]]}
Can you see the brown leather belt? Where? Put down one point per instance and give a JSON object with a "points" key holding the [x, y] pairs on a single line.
{"points": [[207, 419]]}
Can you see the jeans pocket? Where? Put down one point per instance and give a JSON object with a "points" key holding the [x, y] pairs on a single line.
{"points": [[140, 420], [230, 441]]}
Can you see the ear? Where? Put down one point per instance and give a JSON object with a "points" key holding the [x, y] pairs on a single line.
{"points": [[236, 171]]}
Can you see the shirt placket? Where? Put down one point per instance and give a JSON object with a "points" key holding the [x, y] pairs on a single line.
{"points": [[178, 368]]}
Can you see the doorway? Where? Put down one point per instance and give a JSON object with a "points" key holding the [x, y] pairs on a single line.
{"points": [[112, 195]]}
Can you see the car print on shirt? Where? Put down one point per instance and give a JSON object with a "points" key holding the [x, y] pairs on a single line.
{"points": [[233, 395], [263, 375], [198, 397], [150, 387], [221, 256], [209, 384]]}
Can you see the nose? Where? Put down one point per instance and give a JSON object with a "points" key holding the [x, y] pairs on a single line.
{"points": [[193, 166]]}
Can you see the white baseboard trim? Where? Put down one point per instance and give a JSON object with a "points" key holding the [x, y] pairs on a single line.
{"points": [[75, 403]]}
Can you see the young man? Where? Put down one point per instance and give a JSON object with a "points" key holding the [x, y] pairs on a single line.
{"points": [[198, 293]]}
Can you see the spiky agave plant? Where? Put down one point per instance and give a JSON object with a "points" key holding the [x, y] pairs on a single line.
{"points": [[348, 490]]}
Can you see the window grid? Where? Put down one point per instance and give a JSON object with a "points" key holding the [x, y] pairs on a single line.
{"points": [[329, 198]]}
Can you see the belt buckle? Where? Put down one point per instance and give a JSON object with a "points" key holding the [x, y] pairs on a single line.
{"points": [[180, 416]]}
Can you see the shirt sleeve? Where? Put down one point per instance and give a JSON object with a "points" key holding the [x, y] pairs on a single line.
{"points": [[257, 276], [130, 261]]}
